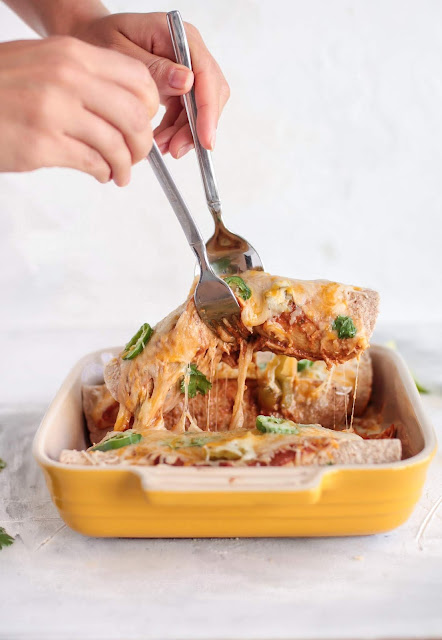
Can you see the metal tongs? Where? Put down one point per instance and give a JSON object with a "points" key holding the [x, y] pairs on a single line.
{"points": [[225, 253]]}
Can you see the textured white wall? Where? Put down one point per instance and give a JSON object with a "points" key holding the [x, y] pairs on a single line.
{"points": [[329, 158]]}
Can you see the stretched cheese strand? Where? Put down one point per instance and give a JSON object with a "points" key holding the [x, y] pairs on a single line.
{"points": [[150, 415], [123, 419], [354, 394], [180, 426], [345, 397], [245, 358], [208, 395]]}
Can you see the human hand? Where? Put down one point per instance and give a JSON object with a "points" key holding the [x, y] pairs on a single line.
{"points": [[66, 103], [146, 37]]}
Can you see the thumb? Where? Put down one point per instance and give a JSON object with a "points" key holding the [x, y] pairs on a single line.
{"points": [[171, 79]]}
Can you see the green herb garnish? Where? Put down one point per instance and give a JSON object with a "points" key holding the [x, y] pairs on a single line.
{"points": [[304, 364], [5, 539], [270, 424], [2, 464], [198, 383], [122, 439], [136, 345], [344, 326], [238, 283]]}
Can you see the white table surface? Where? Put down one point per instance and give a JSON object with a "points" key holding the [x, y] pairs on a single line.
{"points": [[55, 583]]}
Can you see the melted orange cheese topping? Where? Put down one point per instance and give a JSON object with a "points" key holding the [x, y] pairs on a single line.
{"points": [[149, 385]]}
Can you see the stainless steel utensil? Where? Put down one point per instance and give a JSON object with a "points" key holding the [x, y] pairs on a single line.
{"points": [[227, 252], [214, 300]]}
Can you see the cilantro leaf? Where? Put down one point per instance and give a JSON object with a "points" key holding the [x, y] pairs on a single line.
{"points": [[198, 383], [5, 539], [344, 326], [2, 464]]}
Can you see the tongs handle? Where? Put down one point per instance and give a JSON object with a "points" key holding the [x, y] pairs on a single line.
{"points": [[182, 55]]}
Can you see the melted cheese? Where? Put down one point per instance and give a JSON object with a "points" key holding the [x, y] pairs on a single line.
{"points": [[212, 449], [149, 385], [245, 359], [320, 300]]}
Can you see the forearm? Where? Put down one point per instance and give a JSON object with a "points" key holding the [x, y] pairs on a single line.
{"points": [[57, 17]]}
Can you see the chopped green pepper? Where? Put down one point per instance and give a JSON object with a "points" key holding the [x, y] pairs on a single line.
{"points": [[118, 440], [136, 345], [198, 383], [270, 424], [304, 364], [186, 441], [344, 326], [239, 284]]}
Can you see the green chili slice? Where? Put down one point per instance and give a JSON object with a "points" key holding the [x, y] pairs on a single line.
{"points": [[270, 424], [136, 345], [186, 441], [304, 364], [239, 284], [198, 383], [344, 326], [121, 439]]}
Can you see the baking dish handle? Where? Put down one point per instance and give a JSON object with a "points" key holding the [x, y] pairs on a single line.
{"points": [[199, 486]]}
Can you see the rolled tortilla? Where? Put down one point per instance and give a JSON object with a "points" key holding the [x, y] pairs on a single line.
{"points": [[246, 449]]}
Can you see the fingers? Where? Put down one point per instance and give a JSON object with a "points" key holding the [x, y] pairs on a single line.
{"points": [[147, 38], [107, 141], [149, 33], [74, 154], [211, 95], [211, 88], [106, 64], [173, 134], [125, 112], [181, 142], [89, 112], [114, 105], [171, 79]]}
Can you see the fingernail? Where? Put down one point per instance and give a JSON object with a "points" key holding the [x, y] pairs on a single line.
{"points": [[212, 142], [182, 152], [178, 78]]}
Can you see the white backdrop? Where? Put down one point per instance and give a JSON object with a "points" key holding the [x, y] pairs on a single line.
{"points": [[329, 159]]}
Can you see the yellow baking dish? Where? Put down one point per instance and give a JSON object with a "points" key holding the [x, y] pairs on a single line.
{"points": [[174, 502]]}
